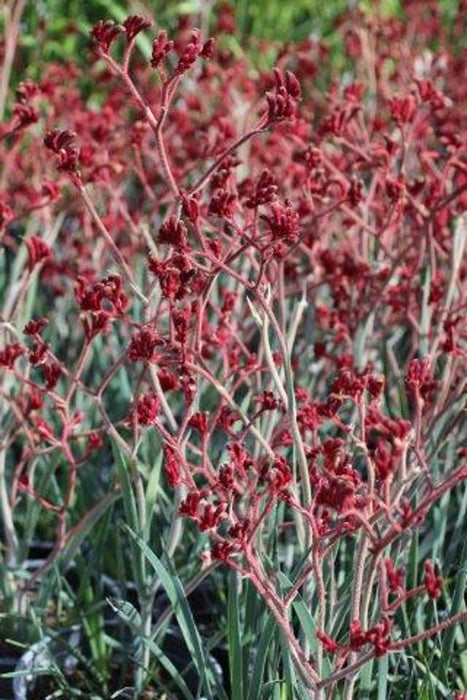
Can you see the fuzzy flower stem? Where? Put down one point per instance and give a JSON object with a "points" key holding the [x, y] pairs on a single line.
{"points": [[156, 123], [258, 129], [115, 251]]}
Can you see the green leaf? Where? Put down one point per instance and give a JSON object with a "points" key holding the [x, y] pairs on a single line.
{"points": [[433, 681], [177, 597], [79, 533], [256, 681], [29, 672], [123, 471], [128, 613], [131, 511], [456, 606], [152, 491], [170, 668], [307, 623], [365, 685], [288, 665], [383, 667], [234, 639]]}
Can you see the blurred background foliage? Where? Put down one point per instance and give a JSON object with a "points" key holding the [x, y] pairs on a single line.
{"points": [[59, 29]]}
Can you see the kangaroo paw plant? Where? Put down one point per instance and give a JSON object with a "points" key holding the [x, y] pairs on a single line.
{"points": [[233, 359]]}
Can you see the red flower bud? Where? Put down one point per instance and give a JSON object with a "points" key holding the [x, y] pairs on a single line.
{"points": [[104, 34], [432, 582], [135, 24]]}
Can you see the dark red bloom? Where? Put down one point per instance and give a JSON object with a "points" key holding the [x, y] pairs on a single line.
{"points": [[26, 90], [10, 354], [188, 383], [355, 193], [432, 581], [95, 441], [403, 109], [395, 576], [34, 327], [98, 323], [209, 48], [419, 378], [377, 635], [199, 421], [62, 144], [104, 34], [171, 467], [268, 401], [227, 478], [227, 418], [143, 345], [190, 505], [282, 104], [328, 643], [265, 190], [222, 551], [173, 231], [181, 321], [104, 295], [24, 115], [167, 380], [189, 53], [161, 47], [222, 203], [38, 353], [38, 251], [51, 372], [280, 476], [241, 459], [283, 222], [190, 206], [210, 517], [146, 409], [134, 24], [6, 214]]}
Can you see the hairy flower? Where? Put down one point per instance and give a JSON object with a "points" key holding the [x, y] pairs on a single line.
{"points": [[395, 576], [283, 222], [173, 231], [265, 190], [329, 644], [104, 34], [282, 104], [10, 354], [432, 581], [199, 421], [35, 326], [161, 47], [171, 467], [38, 251], [62, 144], [143, 345], [146, 409], [51, 372], [135, 24]]}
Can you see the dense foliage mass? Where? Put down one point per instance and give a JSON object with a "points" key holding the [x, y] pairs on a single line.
{"points": [[234, 359]]}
